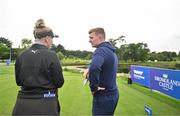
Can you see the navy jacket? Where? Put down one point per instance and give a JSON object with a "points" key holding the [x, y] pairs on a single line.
{"points": [[103, 68]]}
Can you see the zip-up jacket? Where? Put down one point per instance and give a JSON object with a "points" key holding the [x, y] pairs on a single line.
{"points": [[103, 68]]}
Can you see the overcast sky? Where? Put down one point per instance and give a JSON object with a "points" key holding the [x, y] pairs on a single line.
{"points": [[155, 22]]}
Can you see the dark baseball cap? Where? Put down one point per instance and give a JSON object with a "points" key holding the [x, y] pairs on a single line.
{"points": [[46, 33]]}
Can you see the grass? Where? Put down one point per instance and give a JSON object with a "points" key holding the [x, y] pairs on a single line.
{"points": [[76, 99]]}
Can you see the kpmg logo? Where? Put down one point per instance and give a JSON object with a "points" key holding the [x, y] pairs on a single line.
{"points": [[166, 83], [138, 74]]}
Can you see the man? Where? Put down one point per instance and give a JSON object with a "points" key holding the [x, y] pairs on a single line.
{"points": [[39, 73], [102, 74]]}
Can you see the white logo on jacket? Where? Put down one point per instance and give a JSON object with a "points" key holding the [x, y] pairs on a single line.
{"points": [[34, 51]]}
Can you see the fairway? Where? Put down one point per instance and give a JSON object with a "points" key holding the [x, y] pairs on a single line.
{"points": [[75, 99]]}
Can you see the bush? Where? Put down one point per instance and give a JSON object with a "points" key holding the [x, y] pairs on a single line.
{"points": [[60, 55], [74, 62], [177, 65]]}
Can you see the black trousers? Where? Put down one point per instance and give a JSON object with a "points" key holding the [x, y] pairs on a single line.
{"points": [[36, 105], [105, 104]]}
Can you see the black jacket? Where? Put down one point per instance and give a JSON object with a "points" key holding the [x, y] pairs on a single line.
{"points": [[38, 69]]}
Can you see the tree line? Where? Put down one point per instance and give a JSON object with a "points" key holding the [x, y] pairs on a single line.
{"points": [[6, 51], [133, 52]]}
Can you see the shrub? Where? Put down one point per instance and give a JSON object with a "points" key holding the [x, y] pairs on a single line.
{"points": [[60, 55], [177, 65]]}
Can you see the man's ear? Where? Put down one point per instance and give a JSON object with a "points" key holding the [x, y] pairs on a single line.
{"points": [[100, 37]]}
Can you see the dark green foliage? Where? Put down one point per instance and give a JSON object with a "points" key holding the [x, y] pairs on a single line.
{"points": [[4, 52], [133, 52], [6, 42], [72, 53], [125, 67], [58, 48], [60, 55], [78, 54], [26, 43], [5, 46], [177, 66], [163, 56]]}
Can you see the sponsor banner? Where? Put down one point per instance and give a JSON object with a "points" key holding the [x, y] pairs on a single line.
{"points": [[140, 75], [166, 81]]}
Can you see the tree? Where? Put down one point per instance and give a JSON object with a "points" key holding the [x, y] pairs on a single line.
{"points": [[153, 56], [143, 52], [115, 42], [136, 52], [78, 54], [53, 47], [6, 42], [26, 43], [122, 50], [58, 48], [173, 54], [4, 52], [163, 56], [60, 55], [167, 56], [118, 40], [5, 46], [15, 52]]}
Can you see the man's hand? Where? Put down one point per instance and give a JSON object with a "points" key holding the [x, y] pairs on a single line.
{"points": [[86, 73], [99, 89], [85, 76]]}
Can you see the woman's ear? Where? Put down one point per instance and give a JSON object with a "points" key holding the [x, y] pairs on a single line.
{"points": [[46, 39]]}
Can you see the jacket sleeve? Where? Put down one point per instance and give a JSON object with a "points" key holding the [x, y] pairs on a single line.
{"points": [[56, 71], [17, 71], [95, 69]]}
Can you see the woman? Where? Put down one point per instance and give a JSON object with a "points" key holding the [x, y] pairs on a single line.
{"points": [[39, 73]]}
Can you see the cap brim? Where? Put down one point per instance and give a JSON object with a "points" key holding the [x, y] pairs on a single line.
{"points": [[56, 36]]}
